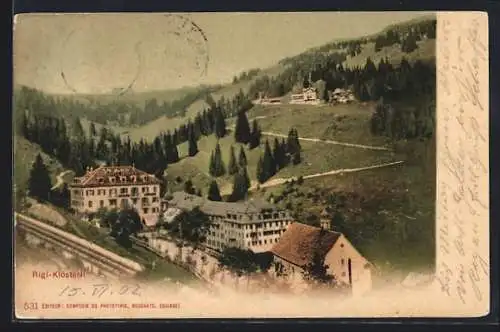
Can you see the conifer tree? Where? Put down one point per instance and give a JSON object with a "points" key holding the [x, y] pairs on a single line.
{"points": [[78, 129], [39, 183], [220, 124], [214, 192], [261, 177], [269, 164], [240, 186], [278, 154], [242, 158], [242, 132], [232, 167], [246, 177], [93, 131], [211, 167], [193, 145], [217, 167], [255, 135]]}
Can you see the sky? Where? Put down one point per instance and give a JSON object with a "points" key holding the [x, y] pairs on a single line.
{"points": [[100, 52]]}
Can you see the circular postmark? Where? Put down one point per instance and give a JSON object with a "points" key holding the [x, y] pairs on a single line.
{"points": [[173, 50], [85, 69], [186, 46]]}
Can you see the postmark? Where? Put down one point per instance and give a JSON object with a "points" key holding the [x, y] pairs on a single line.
{"points": [[75, 43], [190, 55], [181, 50]]}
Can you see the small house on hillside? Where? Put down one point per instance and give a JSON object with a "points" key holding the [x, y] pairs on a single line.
{"points": [[264, 100], [341, 96], [300, 243], [308, 96]]}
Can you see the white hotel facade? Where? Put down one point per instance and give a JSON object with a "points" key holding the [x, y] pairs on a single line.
{"points": [[113, 187], [254, 225]]}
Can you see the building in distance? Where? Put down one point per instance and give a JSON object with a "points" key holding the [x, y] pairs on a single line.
{"points": [[251, 225]]}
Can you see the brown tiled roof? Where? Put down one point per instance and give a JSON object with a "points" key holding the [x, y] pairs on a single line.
{"points": [[107, 176], [300, 242]]}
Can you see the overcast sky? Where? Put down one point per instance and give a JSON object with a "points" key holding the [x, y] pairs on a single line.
{"points": [[99, 52]]}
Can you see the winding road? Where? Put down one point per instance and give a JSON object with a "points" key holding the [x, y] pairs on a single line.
{"points": [[279, 181], [60, 179]]}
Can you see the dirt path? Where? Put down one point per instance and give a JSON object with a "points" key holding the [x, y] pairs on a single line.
{"points": [[60, 179], [279, 181], [318, 140]]}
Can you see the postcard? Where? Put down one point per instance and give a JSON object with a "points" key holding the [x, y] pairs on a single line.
{"points": [[251, 165]]}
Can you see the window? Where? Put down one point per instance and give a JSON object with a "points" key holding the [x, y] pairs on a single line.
{"points": [[101, 203], [341, 245], [143, 189], [155, 199], [342, 261], [154, 189], [90, 204], [123, 190], [145, 210], [112, 202], [134, 200]]}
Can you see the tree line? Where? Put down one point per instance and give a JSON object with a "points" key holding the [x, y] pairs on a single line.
{"points": [[114, 112]]}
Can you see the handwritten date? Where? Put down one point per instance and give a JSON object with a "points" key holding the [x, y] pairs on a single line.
{"points": [[100, 290]]}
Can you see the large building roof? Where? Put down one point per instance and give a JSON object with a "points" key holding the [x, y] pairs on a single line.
{"points": [[107, 176], [300, 242], [186, 201]]}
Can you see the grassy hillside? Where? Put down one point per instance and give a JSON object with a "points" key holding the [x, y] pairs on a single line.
{"points": [[346, 123], [150, 130], [25, 153]]}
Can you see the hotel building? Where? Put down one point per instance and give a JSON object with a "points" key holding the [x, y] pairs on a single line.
{"points": [[254, 224], [117, 187]]}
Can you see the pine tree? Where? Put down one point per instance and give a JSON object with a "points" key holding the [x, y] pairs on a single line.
{"points": [[93, 131], [214, 192], [242, 158], [296, 158], [78, 129], [242, 129], [261, 177], [277, 154], [220, 124], [232, 167], [211, 166], [39, 183], [193, 145], [217, 163], [246, 177], [255, 135], [240, 186], [268, 162]]}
